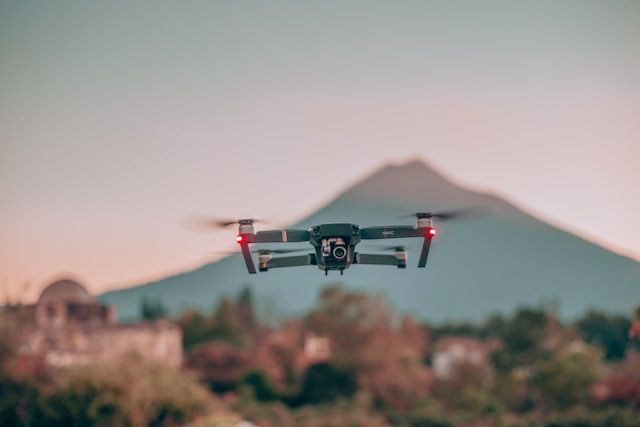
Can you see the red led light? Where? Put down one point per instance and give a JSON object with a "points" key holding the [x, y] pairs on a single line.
{"points": [[432, 231], [239, 238]]}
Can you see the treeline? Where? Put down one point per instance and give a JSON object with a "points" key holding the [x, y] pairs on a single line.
{"points": [[539, 370], [609, 332], [349, 361]]}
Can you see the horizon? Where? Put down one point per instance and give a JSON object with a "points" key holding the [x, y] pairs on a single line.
{"points": [[117, 122]]}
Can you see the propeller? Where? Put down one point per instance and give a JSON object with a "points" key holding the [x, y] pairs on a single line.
{"points": [[453, 213], [207, 223]]}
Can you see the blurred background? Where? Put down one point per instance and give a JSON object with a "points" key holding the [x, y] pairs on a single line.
{"points": [[119, 120]]}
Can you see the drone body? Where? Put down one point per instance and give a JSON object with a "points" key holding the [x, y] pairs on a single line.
{"points": [[334, 245]]}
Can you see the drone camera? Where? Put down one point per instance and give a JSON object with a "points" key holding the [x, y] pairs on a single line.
{"points": [[339, 252], [334, 247]]}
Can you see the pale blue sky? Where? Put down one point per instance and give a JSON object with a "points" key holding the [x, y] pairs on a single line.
{"points": [[117, 118]]}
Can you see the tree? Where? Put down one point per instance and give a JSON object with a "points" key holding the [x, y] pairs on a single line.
{"points": [[523, 337], [258, 381], [324, 382], [385, 352], [564, 380], [349, 320], [220, 364], [611, 332], [245, 310], [526, 331], [227, 324], [152, 309]]}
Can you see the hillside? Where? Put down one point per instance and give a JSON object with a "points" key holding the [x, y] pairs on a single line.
{"points": [[476, 267]]}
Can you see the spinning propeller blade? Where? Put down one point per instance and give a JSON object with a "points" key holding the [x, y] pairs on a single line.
{"points": [[208, 223], [453, 213]]}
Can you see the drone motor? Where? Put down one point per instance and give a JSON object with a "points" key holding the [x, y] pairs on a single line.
{"points": [[263, 260], [423, 222]]}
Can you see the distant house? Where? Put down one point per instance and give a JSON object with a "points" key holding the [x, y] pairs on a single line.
{"points": [[316, 348], [454, 351], [68, 326]]}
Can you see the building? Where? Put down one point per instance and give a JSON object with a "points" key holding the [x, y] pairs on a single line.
{"points": [[453, 352], [68, 326]]}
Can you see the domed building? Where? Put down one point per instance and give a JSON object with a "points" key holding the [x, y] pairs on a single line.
{"points": [[68, 326], [65, 290], [66, 301]]}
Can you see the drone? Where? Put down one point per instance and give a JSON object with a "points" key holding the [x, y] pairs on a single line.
{"points": [[333, 245]]}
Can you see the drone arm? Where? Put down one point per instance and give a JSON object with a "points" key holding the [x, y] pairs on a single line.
{"points": [[390, 232], [281, 236], [292, 261], [377, 259]]}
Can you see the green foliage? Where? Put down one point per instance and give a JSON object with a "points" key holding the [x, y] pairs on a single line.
{"points": [[324, 382], [152, 309], [525, 332], [227, 324], [11, 321], [245, 308], [375, 360], [513, 391], [493, 327], [232, 322], [19, 403], [83, 403], [607, 331], [522, 337], [356, 412], [427, 412], [196, 328], [128, 392], [222, 325], [585, 417], [563, 380], [260, 385]]}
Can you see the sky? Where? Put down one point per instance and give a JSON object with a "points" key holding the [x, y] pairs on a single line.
{"points": [[119, 118]]}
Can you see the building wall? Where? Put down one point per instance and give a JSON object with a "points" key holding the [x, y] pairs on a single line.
{"points": [[78, 344]]}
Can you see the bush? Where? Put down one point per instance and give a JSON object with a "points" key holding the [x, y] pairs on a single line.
{"points": [[583, 417], [607, 331], [19, 403], [130, 392], [324, 382], [83, 403], [261, 387], [564, 380]]}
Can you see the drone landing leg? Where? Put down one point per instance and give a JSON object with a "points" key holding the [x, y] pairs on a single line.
{"points": [[246, 254], [425, 251]]}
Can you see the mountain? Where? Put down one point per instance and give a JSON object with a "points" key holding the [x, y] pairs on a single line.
{"points": [[476, 267]]}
